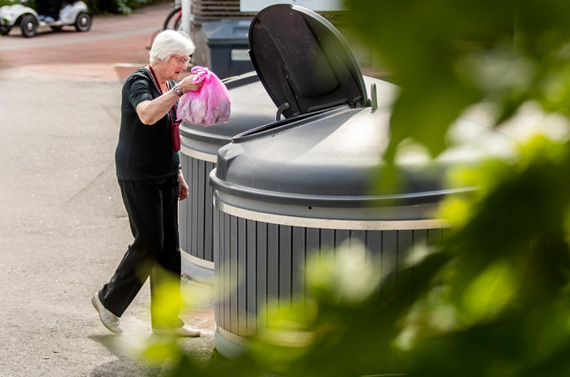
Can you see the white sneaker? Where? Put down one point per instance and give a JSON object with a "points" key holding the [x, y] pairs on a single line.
{"points": [[183, 331], [109, 320]]}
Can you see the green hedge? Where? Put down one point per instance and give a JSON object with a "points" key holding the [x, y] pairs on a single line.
{"points": [[8, 2]]}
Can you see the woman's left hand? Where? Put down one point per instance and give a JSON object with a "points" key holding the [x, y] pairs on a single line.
{"points": [[187, 85], [183, 190]]}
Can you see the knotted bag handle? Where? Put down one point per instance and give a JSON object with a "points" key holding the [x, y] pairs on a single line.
{"points": [[201, 73]]}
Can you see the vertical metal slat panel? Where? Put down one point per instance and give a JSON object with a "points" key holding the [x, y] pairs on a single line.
{"points": [[420, 237], [197, 215], [373, 241], [327, 239], [218, 276], [340, 236], [208, 215], [313, 240], [233, 230], [434, 236], [261, 263], [242, 280], [358, 236], [405, 276], [272, 265], [194, 184], [251, 275], [299, 250], [184, 208], [199, 209], [285, 268], [226, 266], [389, 262], [262, 268]]}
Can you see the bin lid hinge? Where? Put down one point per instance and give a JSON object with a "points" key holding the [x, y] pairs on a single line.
{"points": [[280, 110], [373, 97]]}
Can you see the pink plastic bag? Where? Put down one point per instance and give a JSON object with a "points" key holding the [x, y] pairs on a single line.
{"points": [[208, 105]]}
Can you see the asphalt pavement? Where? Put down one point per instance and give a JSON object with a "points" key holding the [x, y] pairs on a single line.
{"points": [[63, 228]]}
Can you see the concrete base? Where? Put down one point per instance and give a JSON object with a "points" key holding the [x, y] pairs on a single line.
{"points": [[228, 349], [194, 271]]}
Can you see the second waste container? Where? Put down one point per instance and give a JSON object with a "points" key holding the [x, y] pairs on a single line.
{"points": [[227, 47], [251, 107]]}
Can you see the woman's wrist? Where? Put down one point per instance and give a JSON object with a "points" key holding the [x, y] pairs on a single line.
{"points": [[177, 90]]}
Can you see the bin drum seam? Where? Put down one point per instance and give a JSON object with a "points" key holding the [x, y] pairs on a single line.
{"points": [[237, 339], [197, 261], [198, 155], [330, 223]]}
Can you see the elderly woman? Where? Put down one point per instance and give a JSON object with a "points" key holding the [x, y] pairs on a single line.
{"points": [[148, 169]]}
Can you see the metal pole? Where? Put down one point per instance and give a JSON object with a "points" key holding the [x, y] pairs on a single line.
{"points": [[186, 16]]}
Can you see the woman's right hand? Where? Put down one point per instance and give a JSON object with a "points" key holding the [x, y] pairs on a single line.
{"points": [[187, 85]]}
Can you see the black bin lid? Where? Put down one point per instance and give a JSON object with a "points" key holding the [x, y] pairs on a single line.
{"points": [[303, 61]]}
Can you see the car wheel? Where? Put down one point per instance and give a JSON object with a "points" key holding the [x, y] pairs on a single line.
{"points": [[29, 25], [83, 22], [4, 30]]}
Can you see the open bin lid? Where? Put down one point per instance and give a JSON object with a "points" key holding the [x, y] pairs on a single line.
{"points": [[303, 62]]}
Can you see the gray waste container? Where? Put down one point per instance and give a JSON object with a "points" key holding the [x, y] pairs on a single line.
{"points": [[227, 47], [251, 107], [293, 187]]}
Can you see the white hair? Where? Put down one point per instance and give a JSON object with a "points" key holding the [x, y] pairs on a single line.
{"points": [[170, 42]]}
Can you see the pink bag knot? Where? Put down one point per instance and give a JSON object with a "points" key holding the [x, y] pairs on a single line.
{"points": [[201, 73]]}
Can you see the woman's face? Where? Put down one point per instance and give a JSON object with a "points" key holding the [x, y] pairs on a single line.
{"points": [[175, 65]]}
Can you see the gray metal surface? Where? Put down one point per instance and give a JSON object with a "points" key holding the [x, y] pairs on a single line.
{"points": [[262, 263], [196, 216], [323, 165], [251, 106]]}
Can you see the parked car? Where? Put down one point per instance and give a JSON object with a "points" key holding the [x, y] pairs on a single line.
{"points": [[73, 13]]}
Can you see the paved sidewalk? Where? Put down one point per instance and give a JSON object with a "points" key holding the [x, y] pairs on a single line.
{"points": [[63, 228]]}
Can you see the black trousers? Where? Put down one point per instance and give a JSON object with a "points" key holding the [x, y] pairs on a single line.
{"points": [[152, 207]]}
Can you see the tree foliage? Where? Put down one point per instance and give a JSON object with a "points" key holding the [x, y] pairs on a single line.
{"points": [[8, 2], [493, 298]]}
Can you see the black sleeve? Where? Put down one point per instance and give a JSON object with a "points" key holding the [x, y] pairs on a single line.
{"points": [[140, 90]]}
